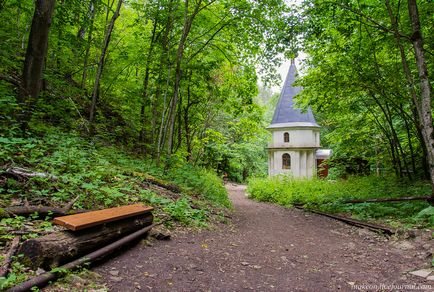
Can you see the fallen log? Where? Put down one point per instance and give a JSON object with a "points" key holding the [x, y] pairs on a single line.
{"points": [[8, 259], [353, 222], [160, 190], [22, 172], [43, 279], [58, 247], [380, 200], [160, 183], [27, 210]]}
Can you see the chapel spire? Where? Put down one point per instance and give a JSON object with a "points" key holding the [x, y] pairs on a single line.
{"points": [[285, 111]]}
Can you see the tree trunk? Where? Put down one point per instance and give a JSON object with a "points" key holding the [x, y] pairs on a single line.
{"points": [[92, 10], [425, 88], [101, 63], [188, 21], [187, 123], [146, 82], [179, 129], [189, 133], [410, 82], [390, 135], [35, 59], [56, 248], [410, 143], [165, 58]]}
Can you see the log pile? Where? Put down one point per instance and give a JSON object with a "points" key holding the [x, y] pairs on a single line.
{"points": [[43, 279], [57, 248]]}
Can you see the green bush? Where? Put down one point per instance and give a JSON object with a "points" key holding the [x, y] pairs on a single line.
{"points": [[200, 181], [329, 196]]}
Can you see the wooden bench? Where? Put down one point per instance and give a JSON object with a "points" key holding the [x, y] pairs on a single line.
{"points": [[93, 218]]}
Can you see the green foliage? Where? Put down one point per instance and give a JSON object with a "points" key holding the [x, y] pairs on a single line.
{"points": [[329, 195], [226, 44], [19, 273], [355, 82], [103, 176], [236, 147], [182, 211], [202, 182], [427, 214], [60, 271]]}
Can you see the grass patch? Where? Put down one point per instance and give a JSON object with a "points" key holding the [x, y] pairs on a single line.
{"points": [[328, 196]]}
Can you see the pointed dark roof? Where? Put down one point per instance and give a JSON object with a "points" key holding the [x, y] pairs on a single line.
{"points": [[285, 113]]}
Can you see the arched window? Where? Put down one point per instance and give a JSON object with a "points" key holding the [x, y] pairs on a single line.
{"points": [[286, 161], [286, 137]]}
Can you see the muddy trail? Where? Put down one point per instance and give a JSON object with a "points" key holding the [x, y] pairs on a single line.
{"points": [[271, 248]]}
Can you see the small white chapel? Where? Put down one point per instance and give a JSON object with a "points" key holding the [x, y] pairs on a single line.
{"points": [[295, 135]]}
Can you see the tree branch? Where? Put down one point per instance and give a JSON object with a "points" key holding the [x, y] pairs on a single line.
{"points": [[13, 80]]}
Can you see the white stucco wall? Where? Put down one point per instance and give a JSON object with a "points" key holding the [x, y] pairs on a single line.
{"points": [[302, 145], [302, 162], [297, 138]]}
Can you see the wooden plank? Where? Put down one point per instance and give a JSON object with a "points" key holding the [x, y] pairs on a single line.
{"points": [[85, 220]]}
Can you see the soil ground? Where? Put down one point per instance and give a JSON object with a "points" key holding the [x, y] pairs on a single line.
{"points": [[271, 248]]}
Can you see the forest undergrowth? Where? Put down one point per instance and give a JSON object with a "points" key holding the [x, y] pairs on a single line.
{"points": [[330, 196], [102, 176]]}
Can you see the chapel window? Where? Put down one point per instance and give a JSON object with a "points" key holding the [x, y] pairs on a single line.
{"points": [[286, 137], [286, 161]]}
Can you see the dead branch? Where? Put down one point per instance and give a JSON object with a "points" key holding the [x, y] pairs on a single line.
{"points": [[8, 260], [422, 198], [27, 210], [22, 172], [353, 222], [170, 187], [160, 190], [23, 231], [11, 79], [70, 204]]}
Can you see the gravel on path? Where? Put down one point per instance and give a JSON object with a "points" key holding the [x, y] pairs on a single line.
{"points": [[271, 248]]}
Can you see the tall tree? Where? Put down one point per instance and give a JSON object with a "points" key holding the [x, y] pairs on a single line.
{"points": [[91, 20], [360, 63], [101, 62], [424, 104], [188, 21], [34, 59]]}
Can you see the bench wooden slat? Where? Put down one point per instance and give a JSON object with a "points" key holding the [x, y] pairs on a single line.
{"points": [[85, 220]]}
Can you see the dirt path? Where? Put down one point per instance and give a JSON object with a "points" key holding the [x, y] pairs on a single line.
{"points": [[268, 248]]}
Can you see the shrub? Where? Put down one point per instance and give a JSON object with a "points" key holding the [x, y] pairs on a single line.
{"points": [[329, 196], [202, 182]]}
